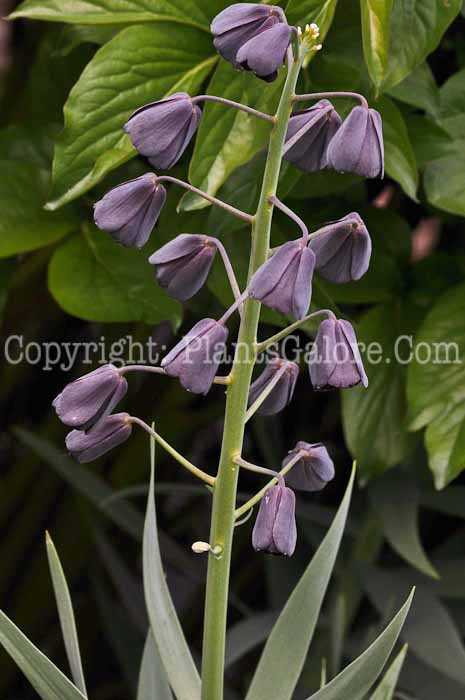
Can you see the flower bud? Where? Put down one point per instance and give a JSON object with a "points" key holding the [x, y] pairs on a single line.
{"points": [[195, 359], [318, 125], [110, 432], [284, 282], [237, 24], [88, 399], [130, 211], [335, 361], [358, 147], [281, 395], [275, 529], [162, 130], [265, 53], [313, 470], [182, 265], [342, 249]]}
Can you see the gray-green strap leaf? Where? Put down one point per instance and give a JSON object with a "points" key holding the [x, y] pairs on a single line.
{"points": [[387, 687], [66, 615], [174, 651], [286, 649], [153, 683], [357, 678], [46, 679]]}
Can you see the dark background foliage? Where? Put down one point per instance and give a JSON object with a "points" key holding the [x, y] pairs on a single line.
{"points": [[62, 281]]}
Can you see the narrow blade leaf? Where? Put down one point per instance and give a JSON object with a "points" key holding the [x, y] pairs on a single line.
{"points": [[286, 649], [66, 615], [153, 683], [387, 687]]}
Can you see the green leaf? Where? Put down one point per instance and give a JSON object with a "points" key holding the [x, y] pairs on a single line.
{"points": [[46, 679], [387, 687], [94, 278], [429, 141], [417, 27], [141, 64], [452, 110], [153, 683], [302, 12], [399, 156], [419, 89], [247, 634], [86, 483], [444, 182], [285, 652], [24, 224], [357, 678], [198, 13], [227, 137], [376, 16], [66, 614], [398, 510], [166, 629], [435, 389], [374, 419]]}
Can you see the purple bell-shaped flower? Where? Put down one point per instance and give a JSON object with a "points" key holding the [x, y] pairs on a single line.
{"points": [[335, 361], [358, 145], [310, 132], [275, 529], [313, 470], [284, 373], [342, 249], [110, 432]]}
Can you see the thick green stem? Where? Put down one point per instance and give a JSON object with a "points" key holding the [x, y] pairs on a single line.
{"points": [[224, 498]]}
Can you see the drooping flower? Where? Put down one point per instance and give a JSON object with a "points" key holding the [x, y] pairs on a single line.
{"points": [[110, 432], [342, 249], [313, 470], [130, 211], [317, 126], [88, 399], [195, 359], [240, 25], [335, 361], [162, 130], [281, 394], [284, 282], [358, 146], [183, 264], [275, 529]]}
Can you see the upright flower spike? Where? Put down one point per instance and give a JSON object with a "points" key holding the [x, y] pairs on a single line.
{"points": [[110, 432], [342, 249], [195, 359], [358, 146], [284, 282], [162, 130], [335, 361], [130, 211], [182, 265], [275, 529], [260, 31], [317, 126], [313, 471], [281, 394], [88, 399]]}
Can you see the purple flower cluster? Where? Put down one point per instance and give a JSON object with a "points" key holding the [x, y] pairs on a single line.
{"points": [[256, 38]]}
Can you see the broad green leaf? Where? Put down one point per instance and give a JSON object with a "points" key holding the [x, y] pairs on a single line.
{"points": [[419, 89], [198, 13], [374, 419], [46, 679], [86, 483], [399, 156], [227, 137], [166, 629], [452, 109], [357, 678], [387, 687], [94, 278], [141, 64], [417, 27], [153, 683], [287, 646], [436, 385], [24, 224], [66, 615], [302, 12], [430, 142], [376, 16], [398, 510], [444, 182]]}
